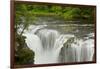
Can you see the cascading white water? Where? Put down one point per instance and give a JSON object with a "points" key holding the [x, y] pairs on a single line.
{"points": [[77, 51], [50, 46]]}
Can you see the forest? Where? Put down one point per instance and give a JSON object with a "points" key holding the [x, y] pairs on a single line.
{"points": [[26, 14]]}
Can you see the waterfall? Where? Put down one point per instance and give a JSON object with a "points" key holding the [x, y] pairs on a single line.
{"points": [[48, 38], [51, 46], [77, 50]]}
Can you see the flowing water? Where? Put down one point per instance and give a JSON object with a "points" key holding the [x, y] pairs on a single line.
{"points": [[54, 41]]}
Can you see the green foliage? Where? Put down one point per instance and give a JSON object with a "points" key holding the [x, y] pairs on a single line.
{"points": [[23, 55], [23, 17], [56, 9], [71, 13], [68, 13]]}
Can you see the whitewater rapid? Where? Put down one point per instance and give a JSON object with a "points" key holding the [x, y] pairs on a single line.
{"points": [[51, 46]]}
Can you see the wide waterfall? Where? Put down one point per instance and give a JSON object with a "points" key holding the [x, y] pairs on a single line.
{"points": [[52, 46]]}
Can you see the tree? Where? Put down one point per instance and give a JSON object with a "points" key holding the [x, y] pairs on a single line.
{"points": [[23, 18], [23, 55], [56, 9]]}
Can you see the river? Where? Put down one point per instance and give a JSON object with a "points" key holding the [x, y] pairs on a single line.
{"points": [[59, 41]]}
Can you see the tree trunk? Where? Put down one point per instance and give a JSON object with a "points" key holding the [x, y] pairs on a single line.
{"points": [[22, 31]]}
